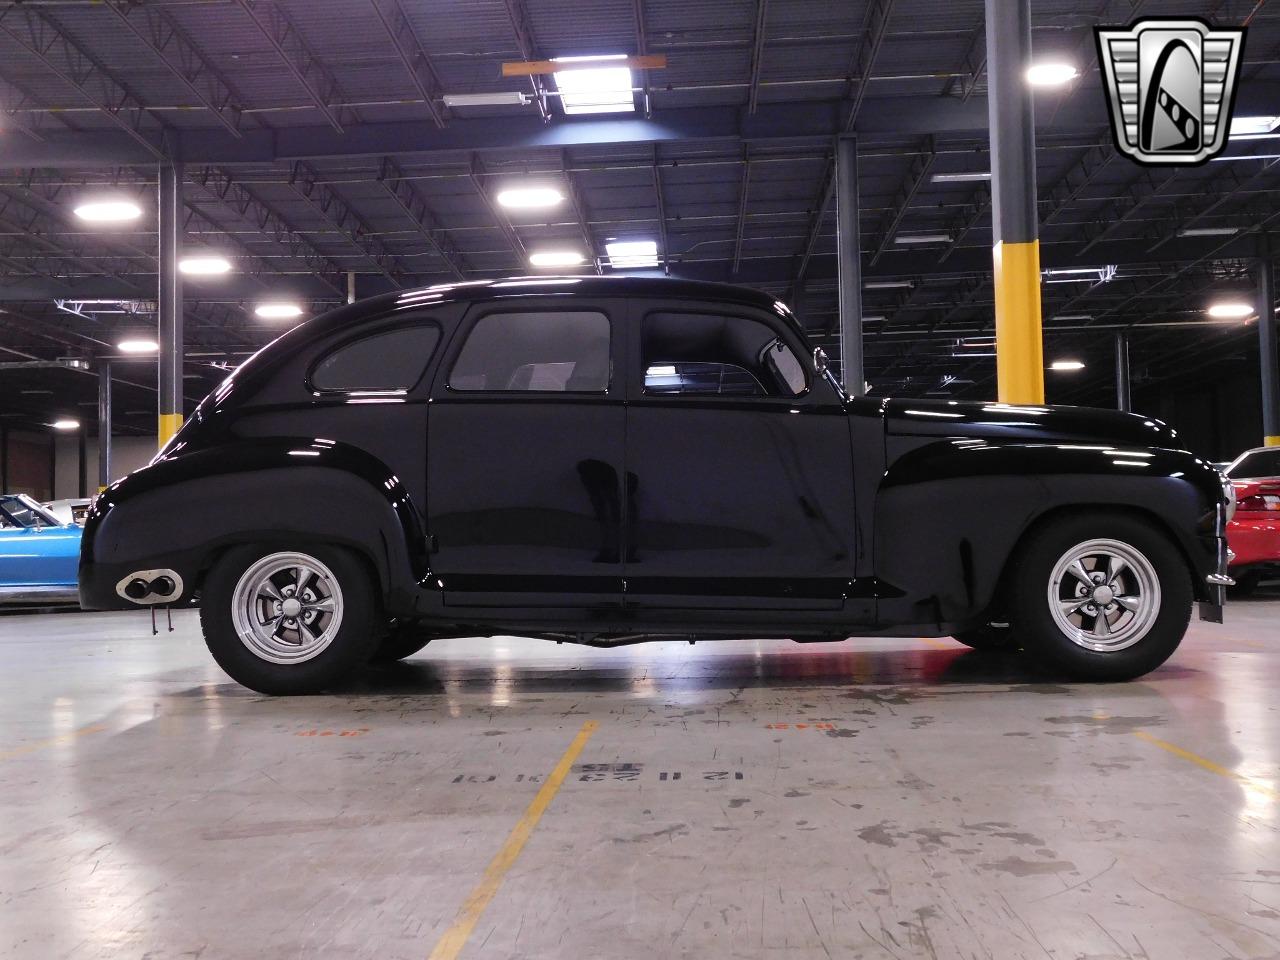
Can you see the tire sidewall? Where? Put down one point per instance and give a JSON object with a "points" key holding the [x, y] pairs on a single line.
{"points": [[350, 649], [1038, 630]]}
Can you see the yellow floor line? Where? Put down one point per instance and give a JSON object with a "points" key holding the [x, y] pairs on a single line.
{"points": [[1206, 764], [455, 938], [35, 745]]}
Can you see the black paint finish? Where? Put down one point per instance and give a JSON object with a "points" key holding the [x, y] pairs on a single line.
{"points": [[616, 514]]}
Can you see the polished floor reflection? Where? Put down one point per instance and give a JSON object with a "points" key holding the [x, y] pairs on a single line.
{"points": [[875, 798]]}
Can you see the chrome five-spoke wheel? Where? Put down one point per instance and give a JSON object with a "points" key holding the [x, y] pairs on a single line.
{"points": [[287, 607], [1104, 595]]}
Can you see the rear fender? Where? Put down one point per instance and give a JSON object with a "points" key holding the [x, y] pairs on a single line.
{"points": [[179, 513]]}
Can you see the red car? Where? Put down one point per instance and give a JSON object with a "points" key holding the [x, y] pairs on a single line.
{"points": [[1254, 533]]}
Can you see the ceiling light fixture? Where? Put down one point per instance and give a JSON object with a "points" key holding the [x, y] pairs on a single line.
{"points": [[498, 98], [108, 211], [1067, 365], [1050, 74], [529, 198], [137, 346], [625, 254], [922, 238], [1252, 128], [204, 266], [961, 177], [66, 424], [1208, 231], [1230, 310], [888, 285], [278, 310], [589, 86], [556, 258]]}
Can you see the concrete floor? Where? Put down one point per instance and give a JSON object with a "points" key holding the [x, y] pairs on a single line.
{"points": [[877, 798]]}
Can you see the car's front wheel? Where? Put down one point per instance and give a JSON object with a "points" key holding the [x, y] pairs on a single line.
{"points": [[290, 621], [1100, 597]]}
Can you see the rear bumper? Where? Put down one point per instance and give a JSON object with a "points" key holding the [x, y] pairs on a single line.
{"points": [[1254, 542]]}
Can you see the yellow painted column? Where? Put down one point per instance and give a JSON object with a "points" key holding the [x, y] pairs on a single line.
{"points": [[1019, 338], [1014, 218], [170, 423]]}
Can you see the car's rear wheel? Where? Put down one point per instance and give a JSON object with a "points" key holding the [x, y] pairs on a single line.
{"points": [[290, 621], [989, 636], [1100, 597], [403, 638]]}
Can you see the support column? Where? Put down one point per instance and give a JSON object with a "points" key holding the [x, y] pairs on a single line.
{"points": [[104, 424], [170, 302], [1016, 250], [351, 286], [1269, 361], [1124, 399], [849, 260], [82, 458]]}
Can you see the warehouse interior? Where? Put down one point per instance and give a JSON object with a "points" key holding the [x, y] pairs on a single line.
{"points": [[184, 181]]}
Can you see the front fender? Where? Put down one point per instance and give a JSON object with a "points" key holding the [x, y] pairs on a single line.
{"points": [[949, 514], [181, 511]]}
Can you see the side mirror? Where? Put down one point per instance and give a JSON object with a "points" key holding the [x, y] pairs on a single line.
{"points": [[820, 361]]}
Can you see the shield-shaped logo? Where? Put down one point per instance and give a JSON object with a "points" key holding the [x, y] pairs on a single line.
{"points": [[1170, 85]]}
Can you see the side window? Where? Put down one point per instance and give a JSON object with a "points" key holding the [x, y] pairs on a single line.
{"points": [[695, 354], [706, 379], [387, 362], [553, 351]]}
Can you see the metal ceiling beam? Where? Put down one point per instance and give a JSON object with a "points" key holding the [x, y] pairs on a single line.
{"points": [[42, 36], [522, 28], [874, 26], [326, 201], [642, 48], [1221, 191], [972, 66], [312, 75], [415, 207], [169, 42], [477, 174], [911, 184], [740, 231], [976, 212], [580, 213], [666, 257], [219, 183], [415, 59], [757, 55], [13, 99]]}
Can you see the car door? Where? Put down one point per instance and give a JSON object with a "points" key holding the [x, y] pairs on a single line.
{"points": [[740, 489], [524, 457], [34, 549]]}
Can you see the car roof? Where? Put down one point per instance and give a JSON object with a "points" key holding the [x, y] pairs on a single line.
{"points": [[470, 291]]}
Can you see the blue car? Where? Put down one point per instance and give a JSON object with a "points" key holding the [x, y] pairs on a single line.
{"points": [[39, 555]]}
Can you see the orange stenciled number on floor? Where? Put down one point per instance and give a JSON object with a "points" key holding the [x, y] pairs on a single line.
{"points": [[357, 732], [799, 726]]}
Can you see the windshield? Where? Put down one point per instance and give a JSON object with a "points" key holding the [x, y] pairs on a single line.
{"points": [[1257, 463], [19, 510]]}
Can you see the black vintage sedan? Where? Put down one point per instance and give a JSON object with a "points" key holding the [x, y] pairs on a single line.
{"points": [[608, 460]]}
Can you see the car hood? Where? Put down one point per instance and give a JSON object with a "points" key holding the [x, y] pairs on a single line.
{"points": [[1043, 424]]}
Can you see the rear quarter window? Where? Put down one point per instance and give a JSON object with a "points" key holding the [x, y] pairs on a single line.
{"points": [[391, 361]]}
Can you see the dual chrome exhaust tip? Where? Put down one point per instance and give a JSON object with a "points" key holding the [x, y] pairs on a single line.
{"points": [[150, 587]]}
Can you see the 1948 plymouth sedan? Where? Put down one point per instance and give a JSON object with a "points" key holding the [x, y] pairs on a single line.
{"points": [[607, 460]]}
